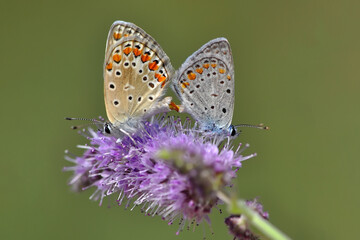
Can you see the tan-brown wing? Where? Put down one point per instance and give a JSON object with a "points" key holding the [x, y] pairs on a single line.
{"points": [[120, 30], [136, 73]]}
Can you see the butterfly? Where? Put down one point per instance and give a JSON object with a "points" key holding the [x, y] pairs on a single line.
{"points": [[136, 74], [205, 85]]}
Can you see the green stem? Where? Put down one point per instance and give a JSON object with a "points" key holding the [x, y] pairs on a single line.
{"points": [[263, 226]]}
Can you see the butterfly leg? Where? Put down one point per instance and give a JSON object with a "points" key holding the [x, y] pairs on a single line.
{"points": [[127, 134], [162, 106]]}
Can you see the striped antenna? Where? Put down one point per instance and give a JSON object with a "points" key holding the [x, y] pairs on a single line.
{"points": [[259, 126]]}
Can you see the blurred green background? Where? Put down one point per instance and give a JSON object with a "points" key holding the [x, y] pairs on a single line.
{"points": [[297, 70]]}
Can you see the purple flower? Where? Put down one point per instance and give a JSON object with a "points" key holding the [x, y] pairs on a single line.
{"points": [[168, 167], [239, 226]]}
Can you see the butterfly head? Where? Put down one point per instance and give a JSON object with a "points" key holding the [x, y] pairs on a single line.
{"points": [[214, 130], [107, 128], [111, 129], [233, 131]]}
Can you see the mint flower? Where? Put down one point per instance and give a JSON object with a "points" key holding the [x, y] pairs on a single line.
{"points": [[167, 167]]}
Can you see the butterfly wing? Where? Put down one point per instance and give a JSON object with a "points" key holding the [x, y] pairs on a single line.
{"points": [[120, 30], [136, 73], [205, 85]]}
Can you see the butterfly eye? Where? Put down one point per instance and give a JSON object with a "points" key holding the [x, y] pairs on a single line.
{"points": [[107, 128], [232, 131]]}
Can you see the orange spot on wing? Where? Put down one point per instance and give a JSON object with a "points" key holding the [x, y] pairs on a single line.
{"points": [[228, 77], [127, 50], [117, 36], [221, 70], [153, 66], [174, 107], [206, 65], [109, 66], [191, 76], [145, 57], [159, 77], [126, 35], [163, 84], [117, 58], [200, 70], [137, 52], [185, 84], [213, 65]]}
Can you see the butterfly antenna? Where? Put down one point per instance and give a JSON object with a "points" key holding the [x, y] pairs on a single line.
{"points": [[84, 119], [93, 121], [259, 126]]}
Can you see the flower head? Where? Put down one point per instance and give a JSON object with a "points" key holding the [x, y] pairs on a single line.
{"points": [[239, 226], [167, 166]]}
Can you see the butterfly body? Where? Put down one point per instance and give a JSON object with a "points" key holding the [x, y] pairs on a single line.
{"points": [[136, 74], [205, 85]]}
